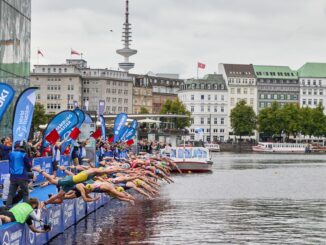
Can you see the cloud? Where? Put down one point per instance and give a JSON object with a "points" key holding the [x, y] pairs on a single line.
{"points": [[171, 36]]}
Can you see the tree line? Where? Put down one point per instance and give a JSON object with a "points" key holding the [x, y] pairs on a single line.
{"points": [[276, 120]]}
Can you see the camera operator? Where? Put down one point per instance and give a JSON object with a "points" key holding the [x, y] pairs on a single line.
{"points": [[20, 172]]}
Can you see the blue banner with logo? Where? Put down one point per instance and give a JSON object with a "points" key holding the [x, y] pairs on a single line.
{"points": [[63, 122], [102, 120], [128, 134], [119, 124], [23, 115], [81, 119], [134, 124], [7, 94]]}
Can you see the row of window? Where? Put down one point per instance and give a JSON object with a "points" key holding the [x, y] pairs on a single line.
{"points": [[114, 91], [203, 86], [125, 101], [208, 130], [208, 138], [115, 109], [232, 101], [54, 97], [208, 109], [208, 97], [276, 81], [53, 106], [242, 80], [316, 92], [279, 96], [310, 102], [309, 83], [214, 121], [54, 87], [286, 74], [243, 90]]}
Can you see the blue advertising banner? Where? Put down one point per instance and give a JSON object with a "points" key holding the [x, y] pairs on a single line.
{"points": [[81, 119], [80, 209], [63, 123], [7, 94], [64, 161], [128, 134], [45, 163], [134, 124], [119, 124], [68, 209], [12, 233], [55, 218], [23, 115], [32, 238], [102, 120], [90, 206]]}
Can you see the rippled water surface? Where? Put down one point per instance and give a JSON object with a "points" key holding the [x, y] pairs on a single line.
{"points": [[248, 199]]}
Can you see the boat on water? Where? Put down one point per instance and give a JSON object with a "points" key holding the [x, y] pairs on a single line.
{"points": [[190, 159], [270, 147], [213, 147]]}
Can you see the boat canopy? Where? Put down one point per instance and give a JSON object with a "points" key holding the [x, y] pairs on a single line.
{"points": [[193, 152]]}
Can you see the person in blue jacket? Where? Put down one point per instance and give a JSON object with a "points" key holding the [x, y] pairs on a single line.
{"points": [[20, 166]]}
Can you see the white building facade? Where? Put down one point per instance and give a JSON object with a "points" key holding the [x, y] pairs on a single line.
{"points": [[207, 100], [312, 80], [61, 85]]}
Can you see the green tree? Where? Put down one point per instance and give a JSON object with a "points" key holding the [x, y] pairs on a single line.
{"points": [[144, 110], [176, 107], [269, 120], [306, 121], [243, 119], [290, 117], [39, 116], [318, 121]]}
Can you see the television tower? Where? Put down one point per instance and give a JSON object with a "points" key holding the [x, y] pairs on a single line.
{"points": [[126, 52]]}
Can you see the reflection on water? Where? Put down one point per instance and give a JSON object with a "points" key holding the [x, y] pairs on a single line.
{"points": [[283, 202]]}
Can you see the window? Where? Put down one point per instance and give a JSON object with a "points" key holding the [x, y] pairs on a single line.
{"points": [[239, 90], [125, 101], [309, 102], [192, 109], [232, 90], [209, 97], [251, 101], [209, 121], [262, 104], [245, 91], [222, 121], [222, 97], [202, 120], [215, 120], [262, 96], [222, 130], [208, 109], [192, 97], [275, 96], [315, 102], [202, 97], [269, 96], [304, 101], [202, 108], [232, 101], [320, 92], [222, 108], [304, 91], [215, 97], [215, 108]]}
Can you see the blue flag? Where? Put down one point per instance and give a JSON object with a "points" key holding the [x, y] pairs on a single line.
{"points": [[128, 134], [102, 127], [119, 124], [134, 124], [88, 119], [7, 94], [81, 119], [63, 123], [23, 115]]}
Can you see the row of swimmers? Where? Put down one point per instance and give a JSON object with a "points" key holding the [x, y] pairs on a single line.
{"points": [[140, 173]]}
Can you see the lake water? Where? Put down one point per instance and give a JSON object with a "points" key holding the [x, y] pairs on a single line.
{"points": [[248, 199]]}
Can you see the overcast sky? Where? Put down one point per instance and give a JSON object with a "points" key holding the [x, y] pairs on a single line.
{"points": [[172, 35]]}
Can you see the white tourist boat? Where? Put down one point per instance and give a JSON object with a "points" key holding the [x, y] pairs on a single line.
{"points": [[281, 147], [191, 159], [213, 147]]}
